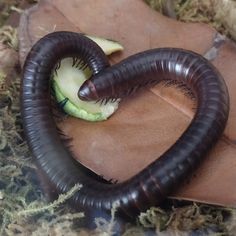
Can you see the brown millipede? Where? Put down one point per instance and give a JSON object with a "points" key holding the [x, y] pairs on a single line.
{"points": [[157, 180]]}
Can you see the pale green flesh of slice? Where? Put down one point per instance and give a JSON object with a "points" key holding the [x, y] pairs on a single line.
{"points": [[66, 83], [68, 79]]}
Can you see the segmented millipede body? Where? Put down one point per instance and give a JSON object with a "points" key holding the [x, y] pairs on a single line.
{"points": [[157, 180]]}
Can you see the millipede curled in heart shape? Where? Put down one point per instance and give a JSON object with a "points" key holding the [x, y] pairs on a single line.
{"points": [[160, 178]]}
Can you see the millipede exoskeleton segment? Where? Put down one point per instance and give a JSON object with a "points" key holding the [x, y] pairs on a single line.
{"points": [[160, 178]]}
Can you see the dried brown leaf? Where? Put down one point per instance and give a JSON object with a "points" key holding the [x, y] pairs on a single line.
{"points": [[149, 122]]}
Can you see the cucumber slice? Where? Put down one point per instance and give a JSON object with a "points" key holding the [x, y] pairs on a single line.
{"points": [[81, 113], [66, 83], [67, 79]]}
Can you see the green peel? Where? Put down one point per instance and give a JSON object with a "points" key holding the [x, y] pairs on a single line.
{"points": [[67, 81]]}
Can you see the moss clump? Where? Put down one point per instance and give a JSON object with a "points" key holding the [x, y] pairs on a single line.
{"points": [[199, 219], [8, 36]]}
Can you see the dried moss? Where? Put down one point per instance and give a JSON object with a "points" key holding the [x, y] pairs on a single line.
{"points": [[199, 219], [8, 36]]}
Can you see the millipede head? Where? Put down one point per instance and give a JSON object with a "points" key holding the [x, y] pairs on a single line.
{"points": [[87, 92]]}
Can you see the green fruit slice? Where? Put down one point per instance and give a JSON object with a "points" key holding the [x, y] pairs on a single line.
{"points": [[67, 79]]}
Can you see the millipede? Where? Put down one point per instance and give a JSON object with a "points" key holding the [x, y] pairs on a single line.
{"points": [[156, 181]]}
